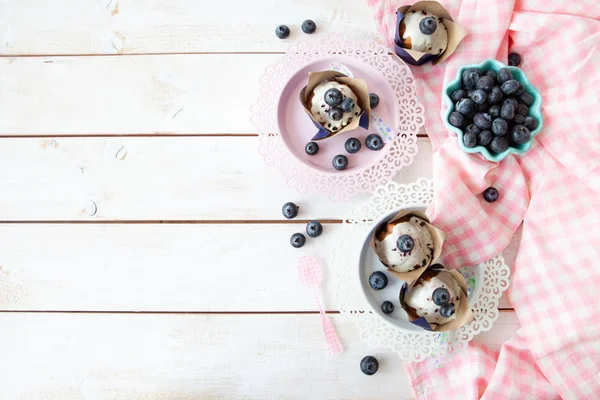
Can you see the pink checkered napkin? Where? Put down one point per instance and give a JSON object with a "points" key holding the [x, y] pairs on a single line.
{"points": [[554, 189]]}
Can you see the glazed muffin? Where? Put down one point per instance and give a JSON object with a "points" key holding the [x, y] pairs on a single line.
{"points": [[424, 32], [435, 296], [334, 105]]}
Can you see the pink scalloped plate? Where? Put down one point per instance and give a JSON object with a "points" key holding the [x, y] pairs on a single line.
{"points": [[296, 128], [284, 128]]}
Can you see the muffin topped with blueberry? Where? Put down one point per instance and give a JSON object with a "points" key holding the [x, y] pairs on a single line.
{"points": [[334, 105], [424, 32]]}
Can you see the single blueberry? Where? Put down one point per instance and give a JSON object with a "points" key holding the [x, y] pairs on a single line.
{"points": [[311, 148], [484, 138], [494, 111], [478, 96], [531, 123], [405, 243], [373, 100], [492, 74], [369, 365], [520, 90], [378, 280], [314, 229], [387, 307], [483, 120], [509, 87], [485, 83], [289, 210], [427, 26], [352, 145], [512, 101], [490, 194], [504, 75], [297, 240], [347, 105], [498, 144], [514, 59], [519, 119], [457, 95], [466, 107], [336, 113], [472, 128], [309, 26], [499, 127], [508, 111], [333, 97], [340, 162], [374, 142], [520, 134], [495, 95], [470, 77], [456, 119], [526, 98], [282, 31], [522, 109], [440, 296], [447, 310], [470, 139]]}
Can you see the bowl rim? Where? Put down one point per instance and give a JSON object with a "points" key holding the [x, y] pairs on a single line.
{"points": [[536, 106]]}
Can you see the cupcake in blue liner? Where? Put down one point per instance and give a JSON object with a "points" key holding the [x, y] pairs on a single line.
{"points": [[437, 300], [335, 103], [426, 32]]}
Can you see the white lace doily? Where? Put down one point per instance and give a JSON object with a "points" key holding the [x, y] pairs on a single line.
{"points": [[410, 346], [400, 152]]}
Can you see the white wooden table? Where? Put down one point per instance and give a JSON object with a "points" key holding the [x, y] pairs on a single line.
{"points": [[139, 255]]}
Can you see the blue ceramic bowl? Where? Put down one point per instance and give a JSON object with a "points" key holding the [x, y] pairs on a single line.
{"points": [[535, 110]]}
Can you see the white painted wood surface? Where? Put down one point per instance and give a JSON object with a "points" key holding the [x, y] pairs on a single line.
{"points": [[191, 357], [116, 68]]}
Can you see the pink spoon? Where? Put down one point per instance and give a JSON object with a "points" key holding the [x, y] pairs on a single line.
{"points": [[311, 275]]}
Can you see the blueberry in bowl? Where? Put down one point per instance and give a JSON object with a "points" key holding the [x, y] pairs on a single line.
{"points": [[500, 102]]}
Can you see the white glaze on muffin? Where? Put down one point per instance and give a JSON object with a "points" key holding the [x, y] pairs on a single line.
{"points": [[414, 39], [419, 298], [320, 110]]}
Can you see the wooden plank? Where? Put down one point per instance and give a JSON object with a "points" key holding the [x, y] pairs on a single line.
{"points": [[182, 267], [155, 26], [166, 178], [148, 357]]}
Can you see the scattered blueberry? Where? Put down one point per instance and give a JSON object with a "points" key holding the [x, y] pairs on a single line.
{"points": [[498, 144], [466, 107], [374, 142], [387, 307], [352, 145], [484, 138], [514, 59], [526, 98], [499, 127], [508, 111], [447, 310], [369, 365], [405, 243], [490, 194], [485, 83], [440, 296], [378, 280], [522, 109], [456, 119], [492, 74], [289, 210], [470, 77], [457, 95], [282, 31], [494, 111], [340, 162], [531, 123], [336, 113], [495, 95], [297, 240], [509, 87], [373, 100], [483, 120], [314, 229], [478, 96], [347, 105], [427, 26], [519, 119], [504, 75], [520, 134], [311, 148], [309, 26], [333, 97], [470, 139]]}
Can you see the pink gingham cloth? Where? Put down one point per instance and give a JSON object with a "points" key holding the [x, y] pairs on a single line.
{"points": [[554, 189]]}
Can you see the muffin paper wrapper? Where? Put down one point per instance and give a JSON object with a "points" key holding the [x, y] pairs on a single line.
{"points": [[456, 33], [438, 241], [358, 86], [464, 314]]}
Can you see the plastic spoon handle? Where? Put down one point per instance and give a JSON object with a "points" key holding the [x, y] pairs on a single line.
{"points": [[333, 342]]}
